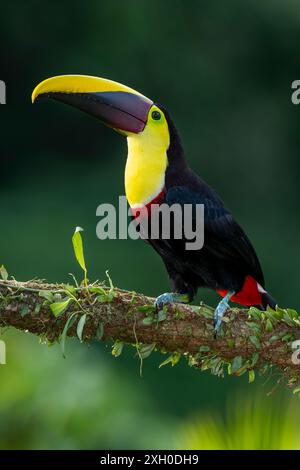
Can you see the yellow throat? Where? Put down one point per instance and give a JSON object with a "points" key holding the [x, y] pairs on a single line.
{"points": [[147, 162]]}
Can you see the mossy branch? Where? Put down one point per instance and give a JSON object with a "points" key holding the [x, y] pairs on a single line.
{"points": [[248, 340]]}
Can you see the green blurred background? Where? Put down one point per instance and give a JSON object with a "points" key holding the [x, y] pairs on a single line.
{"points": [[224, 71]]}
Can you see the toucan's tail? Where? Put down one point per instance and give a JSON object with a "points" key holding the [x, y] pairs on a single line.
{"points": [[267, 299]]}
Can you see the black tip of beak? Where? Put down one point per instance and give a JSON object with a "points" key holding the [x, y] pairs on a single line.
{"points": [[121, 110]]}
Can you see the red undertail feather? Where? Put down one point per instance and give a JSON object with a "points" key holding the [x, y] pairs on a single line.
{"points": [[250, 294]]}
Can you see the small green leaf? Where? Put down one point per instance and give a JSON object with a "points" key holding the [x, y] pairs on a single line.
{"points": [[279, 310], [98, 290], [204, 348], [251, 376], [236, 364], [288, 337], [161, 316], [37, 309], [70, 289], [78, 250], [104, 298], [100, 331], [273, 338], [24, 310], [3, 273], [173, 359], [80, 326], [47, 294], [288, 319], [254, 340], [254, 313], [254, 358], [254, 326], [63, 336], [206, 312], [145, 350], [269, 325], [117, 348], [59, 307], [147, 321], [293, 313], [195, 308], [276, 315], [147, 309], [297, 321]]}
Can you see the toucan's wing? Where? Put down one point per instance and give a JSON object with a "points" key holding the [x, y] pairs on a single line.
{"points": [[224, 240]]}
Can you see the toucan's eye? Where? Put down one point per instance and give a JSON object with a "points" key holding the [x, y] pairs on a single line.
{"points": [[156, 115]]}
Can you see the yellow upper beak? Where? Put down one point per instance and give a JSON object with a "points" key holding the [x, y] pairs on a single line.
{"points": [[116, 105], [79, 84]]}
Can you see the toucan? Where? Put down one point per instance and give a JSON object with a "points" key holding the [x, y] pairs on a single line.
{"points": [[157, 172]]}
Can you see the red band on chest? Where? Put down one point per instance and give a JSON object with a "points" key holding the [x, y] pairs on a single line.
{"points": [[144, 210]]}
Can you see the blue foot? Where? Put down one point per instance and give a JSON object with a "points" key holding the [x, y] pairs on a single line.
{"points": [[169, 297], [220, 310]]}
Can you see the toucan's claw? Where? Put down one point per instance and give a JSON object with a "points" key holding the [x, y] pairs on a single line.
{"points": [[221, 308], [169, 297]]}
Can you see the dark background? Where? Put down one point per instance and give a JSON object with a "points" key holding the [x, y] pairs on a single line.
{"points": [[224, 71]]}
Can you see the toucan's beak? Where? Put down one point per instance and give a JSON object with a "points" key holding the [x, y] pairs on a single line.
{"points": [[116, 105]]}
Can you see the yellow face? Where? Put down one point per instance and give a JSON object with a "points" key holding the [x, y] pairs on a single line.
{"points": [[147, 160]]}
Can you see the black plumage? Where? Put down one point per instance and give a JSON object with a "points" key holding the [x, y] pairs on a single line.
{"points": [[227, 256]]}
